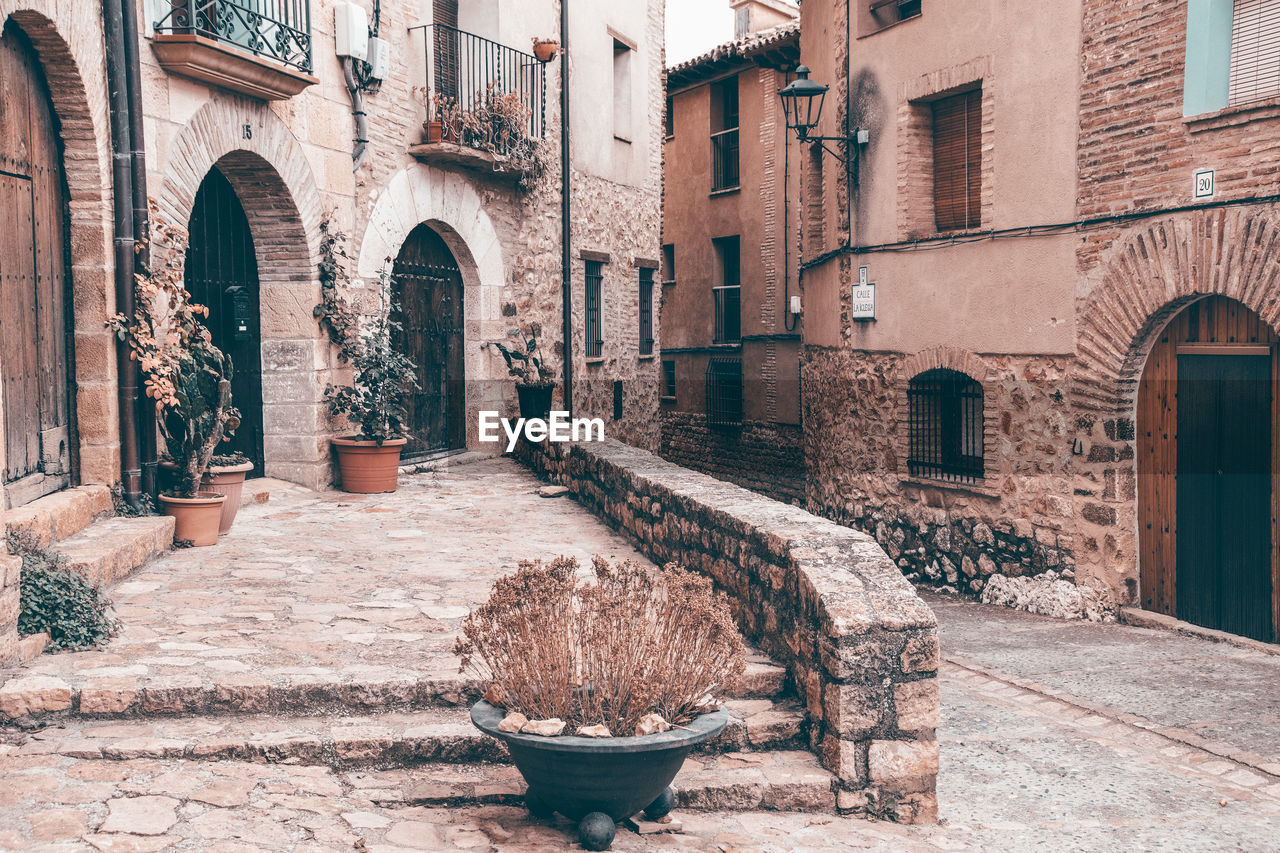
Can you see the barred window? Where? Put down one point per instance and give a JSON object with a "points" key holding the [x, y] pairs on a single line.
{"points": [[724, 393], [946, 427], [646, 311], [669, 379], [595, 334]]}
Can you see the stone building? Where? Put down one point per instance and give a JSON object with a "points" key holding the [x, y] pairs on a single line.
{"points": [[1055, 267], [731, 345], [251, 142]]}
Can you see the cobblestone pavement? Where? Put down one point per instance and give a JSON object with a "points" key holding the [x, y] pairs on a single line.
{"points": [[1055, 736]]}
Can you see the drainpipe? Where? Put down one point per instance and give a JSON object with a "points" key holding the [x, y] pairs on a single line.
{"points": [[141, 222], [123, 222], [566, 207]]}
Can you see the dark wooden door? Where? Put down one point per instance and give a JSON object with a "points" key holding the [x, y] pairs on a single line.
{"points": [[222, 274], [34, 331], [1224, 492], [428, 295]]}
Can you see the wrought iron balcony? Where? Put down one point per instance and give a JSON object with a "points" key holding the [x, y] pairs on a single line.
{"points": [[728, 314], [724, 160], [483, 97], [259, 47]]}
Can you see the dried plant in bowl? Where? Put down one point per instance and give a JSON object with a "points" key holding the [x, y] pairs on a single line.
{"points": [[610, 648]]}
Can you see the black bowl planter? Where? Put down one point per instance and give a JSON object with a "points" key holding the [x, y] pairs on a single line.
{"points": [[599, 781], [535, 400]]}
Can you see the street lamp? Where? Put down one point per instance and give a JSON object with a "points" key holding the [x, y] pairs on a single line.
{"points": [[802, 102]]}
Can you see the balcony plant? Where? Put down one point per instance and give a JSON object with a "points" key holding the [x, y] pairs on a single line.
{"points": [[600, 685], [188, 378], [369, 461], [444, 123], [545, 49], [535, 381]]}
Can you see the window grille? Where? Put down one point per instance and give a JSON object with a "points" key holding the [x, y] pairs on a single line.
{"points": [[725, 173], [728, 295], [669, 379], [724, 392], [646, 311], [595, 334], [957, 161], [1255, 51], [274, 29], [946, 427]]}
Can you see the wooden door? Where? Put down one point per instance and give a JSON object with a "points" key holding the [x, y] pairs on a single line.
{"points": [[222, 274], [35, 338], [1224, 490], [428, 296]]}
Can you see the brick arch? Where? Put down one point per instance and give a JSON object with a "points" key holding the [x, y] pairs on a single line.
{"points": [[949, 358], [1152, 273], [270, 173], [961, 361], [64, 47], [450, 204]]}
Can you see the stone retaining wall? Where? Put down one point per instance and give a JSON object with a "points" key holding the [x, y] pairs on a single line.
{"points": [[825, 600]]}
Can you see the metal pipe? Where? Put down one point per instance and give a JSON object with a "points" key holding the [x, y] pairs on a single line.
{"points": [[566, 208], [146, 416], [124, 239]]}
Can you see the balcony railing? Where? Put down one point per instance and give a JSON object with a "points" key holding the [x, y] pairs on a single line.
{"points": [[482, 91], [279, 30], [724, 160], [728, 314]]}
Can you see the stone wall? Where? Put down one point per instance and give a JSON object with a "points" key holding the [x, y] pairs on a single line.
{"points": [[859, 644], [10, 580], [764, 457]]}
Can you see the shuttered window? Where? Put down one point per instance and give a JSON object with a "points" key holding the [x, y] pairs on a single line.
{"points": [[957, 161], [1255, 51]]}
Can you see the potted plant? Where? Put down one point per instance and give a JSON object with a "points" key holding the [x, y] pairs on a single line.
{"points": [[369, 461], [535, 382], [601, 686], [545, 49], [190, 381], [445, 122], [226, 477]]}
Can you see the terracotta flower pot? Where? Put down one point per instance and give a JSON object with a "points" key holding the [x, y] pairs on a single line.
{"points": [[368, 467], [195, 519], [545, 51], [435, 130], [227, 480]]}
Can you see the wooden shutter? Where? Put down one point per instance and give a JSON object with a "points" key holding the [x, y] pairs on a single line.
{"points": [[957, 161], [445, 12], [1255, 51]]}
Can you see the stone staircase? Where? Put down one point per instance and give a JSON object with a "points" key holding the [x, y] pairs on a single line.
{"points": [[402, 743]]}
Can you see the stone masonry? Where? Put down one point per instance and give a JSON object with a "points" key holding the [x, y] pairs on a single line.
{"points": [[861, 647]]}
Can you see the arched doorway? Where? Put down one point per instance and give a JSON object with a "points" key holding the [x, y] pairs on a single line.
{"points": [[222, 274], [35, 336], [1207, 433], [428, 296]]}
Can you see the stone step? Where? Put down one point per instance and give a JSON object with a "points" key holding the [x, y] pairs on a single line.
{"points": [[771, 781], [381, 740], [62, 515], [112, 548]]}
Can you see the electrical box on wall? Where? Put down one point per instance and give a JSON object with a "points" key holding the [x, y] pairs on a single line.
{"points": [[379, 58], [351, 31]]}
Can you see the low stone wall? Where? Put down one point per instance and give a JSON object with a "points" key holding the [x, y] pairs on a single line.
{"points": [[860, 645], [765, 457]]}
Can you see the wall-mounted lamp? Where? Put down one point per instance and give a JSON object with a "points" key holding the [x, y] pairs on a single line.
{"points": [[802, 102]]}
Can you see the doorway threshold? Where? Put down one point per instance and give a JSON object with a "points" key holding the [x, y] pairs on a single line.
{"points": [[1140, 618]]}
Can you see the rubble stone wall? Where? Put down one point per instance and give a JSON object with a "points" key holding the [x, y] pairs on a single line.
{"points": [[860, 645], [764, 457]]}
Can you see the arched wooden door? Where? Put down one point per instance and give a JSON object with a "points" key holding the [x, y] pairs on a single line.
{"points": [[428, 296], [1207, 433], [222, 274], [35, 334]]}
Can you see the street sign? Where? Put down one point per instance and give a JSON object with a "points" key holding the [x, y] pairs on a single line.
{"points": [[1204, 183], [864, 302]]}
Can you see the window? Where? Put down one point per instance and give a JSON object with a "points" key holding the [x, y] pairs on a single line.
{"points": [[669, 126], [646, 311], [957, 161], [622, 90], [669, 379], [741, 22], [724, 392], [669, 264], [595, 334], [1255, 51], [728, 294], [946, 427], [724, 135], [617, 399], [875, 15]]}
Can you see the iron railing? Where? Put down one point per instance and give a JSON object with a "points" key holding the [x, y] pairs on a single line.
{"points": [[728, 314], [724, 392], [274, 29], [594, 332], [487, 95], [646, 311], [724, 160], [946, 427]]}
